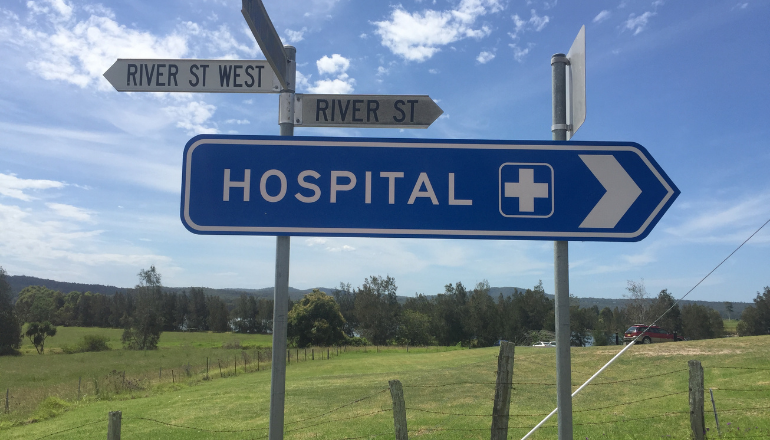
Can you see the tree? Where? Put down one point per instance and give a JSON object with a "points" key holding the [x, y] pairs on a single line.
{"points": [[638, 302], [346, 298], [218, 319], [377, 309], [729, 309], [38, 333], [482, 320], [316, 320], [755, 320], [666, 307], [198, 314], [701, 322], [245, 315], [144, 328], [414, 329], [10, 326], [38, 304]]}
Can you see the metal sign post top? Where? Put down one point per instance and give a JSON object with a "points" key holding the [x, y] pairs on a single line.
{"points": [[263, 30]]}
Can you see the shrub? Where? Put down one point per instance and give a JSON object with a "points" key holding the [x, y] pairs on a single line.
{"points": [[88, 343], [357, 341]]}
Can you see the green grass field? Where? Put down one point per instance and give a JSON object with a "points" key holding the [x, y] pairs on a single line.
{"points": [[448, 394], [731, 326]]}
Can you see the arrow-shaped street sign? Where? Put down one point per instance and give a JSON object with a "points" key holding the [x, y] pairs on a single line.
{"points": [[263, 185], [207, 76], [372, 111], [263, 30]]}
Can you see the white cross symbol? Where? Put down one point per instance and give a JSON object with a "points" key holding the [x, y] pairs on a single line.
{"points": [[526, 190]]}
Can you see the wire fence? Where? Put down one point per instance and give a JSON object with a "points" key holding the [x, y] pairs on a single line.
{"points": [[458, 421]]}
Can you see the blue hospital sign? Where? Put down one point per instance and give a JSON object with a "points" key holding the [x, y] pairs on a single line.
{"points": [[315, 186]]}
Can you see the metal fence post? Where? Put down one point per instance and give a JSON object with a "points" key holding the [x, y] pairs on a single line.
{"points": [[399, 410], [697, 419], [502, 404]]}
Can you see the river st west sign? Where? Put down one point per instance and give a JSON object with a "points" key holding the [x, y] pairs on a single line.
{"points": [[202, 76], [264, 185]]}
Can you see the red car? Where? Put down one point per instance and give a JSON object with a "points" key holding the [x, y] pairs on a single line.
{"points": [[652, 333]]}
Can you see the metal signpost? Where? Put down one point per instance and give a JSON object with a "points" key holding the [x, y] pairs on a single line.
{"points": [[569, 92], [314, 186], [369, 111]]}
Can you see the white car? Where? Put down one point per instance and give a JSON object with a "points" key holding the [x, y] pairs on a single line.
{"points": [[545, 344]]}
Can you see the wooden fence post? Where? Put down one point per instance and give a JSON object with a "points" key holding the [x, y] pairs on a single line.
{"points": [[80, 378], [235, 364], [327, 353], [207, 368], [113, 425], [7, 402], [502, 404], [219, 362], [697, 419], [173, 380], [312, 354], [399, 410]]}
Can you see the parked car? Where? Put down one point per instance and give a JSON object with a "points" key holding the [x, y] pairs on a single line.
{"points": [[545, 344], [651, 334]]}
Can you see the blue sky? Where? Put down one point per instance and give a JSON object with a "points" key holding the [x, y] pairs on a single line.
{"points": [[90, 177]]}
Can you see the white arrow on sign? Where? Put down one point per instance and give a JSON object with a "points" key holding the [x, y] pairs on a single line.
{"points": [[211, 76], [621, 193]]}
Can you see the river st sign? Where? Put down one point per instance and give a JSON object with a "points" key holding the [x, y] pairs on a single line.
{"points": [[372, 111], [313, 186]]}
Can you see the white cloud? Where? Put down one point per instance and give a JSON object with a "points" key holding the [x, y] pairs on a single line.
{"points": [[192, 116], [78, 50], [602, 16], [420, 35], [535, 22], [333, 86], [292, 37], [333, 65], [12, 186], [638, 23], [336, 65], [729, 222], [518, 52], [538, 22], [485, 57], [69, 211], [25, 238]]}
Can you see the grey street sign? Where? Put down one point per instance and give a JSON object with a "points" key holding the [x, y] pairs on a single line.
{"points": [[213, 76], [576, 86], [367, 111], [259, 22]]}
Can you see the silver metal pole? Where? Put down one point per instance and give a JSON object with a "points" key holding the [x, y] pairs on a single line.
{"points": [[561, 265], [281, 294]]}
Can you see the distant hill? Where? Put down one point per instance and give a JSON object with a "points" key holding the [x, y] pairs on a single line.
{"points": [[19, 282]]}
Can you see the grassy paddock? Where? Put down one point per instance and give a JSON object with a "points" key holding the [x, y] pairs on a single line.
{"points": [[448, 396], [32, 378]]}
